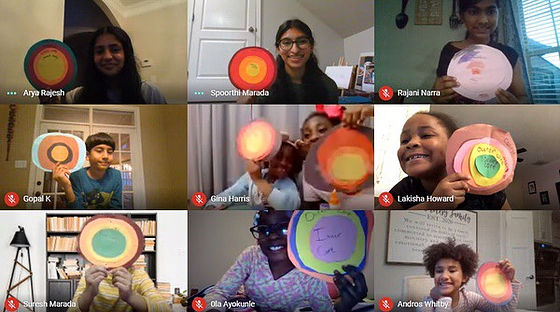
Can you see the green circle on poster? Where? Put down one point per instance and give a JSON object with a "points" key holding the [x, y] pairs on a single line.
{"points": [[109, 243]]}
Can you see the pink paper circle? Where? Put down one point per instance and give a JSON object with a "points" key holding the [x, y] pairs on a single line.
{"points": [[329, 246]]}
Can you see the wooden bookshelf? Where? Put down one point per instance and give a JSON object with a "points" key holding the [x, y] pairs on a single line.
{"points": [[61, 288]]}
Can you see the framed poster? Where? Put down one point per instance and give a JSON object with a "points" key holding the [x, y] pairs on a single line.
{"points": [[365, 68], [428, 12], [532, 187], [410, 232]]}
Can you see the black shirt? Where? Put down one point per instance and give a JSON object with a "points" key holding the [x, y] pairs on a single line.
{"points": [[413, 186]]}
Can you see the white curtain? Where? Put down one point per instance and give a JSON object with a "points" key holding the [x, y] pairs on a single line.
{"points": [[213, 161]]}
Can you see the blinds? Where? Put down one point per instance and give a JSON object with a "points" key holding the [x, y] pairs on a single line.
{"points": [[539, 28]]}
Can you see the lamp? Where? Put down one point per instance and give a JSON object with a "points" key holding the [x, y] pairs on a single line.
{"points": [[20, 241]]}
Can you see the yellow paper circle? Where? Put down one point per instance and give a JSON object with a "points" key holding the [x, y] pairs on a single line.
{"points": [[486, 149], [495, 285], [252, 69]]}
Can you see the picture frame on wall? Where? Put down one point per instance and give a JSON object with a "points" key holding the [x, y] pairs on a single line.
{"points": [[532, 187], [544, 198], [365, 76]]}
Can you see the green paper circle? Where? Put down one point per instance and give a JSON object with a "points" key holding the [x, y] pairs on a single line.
{"points": [[303, 231], [487, 165], [109, 243]]}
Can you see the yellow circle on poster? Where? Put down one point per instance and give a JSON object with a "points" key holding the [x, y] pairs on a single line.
{"points": [[252, 69], [495, 157]]}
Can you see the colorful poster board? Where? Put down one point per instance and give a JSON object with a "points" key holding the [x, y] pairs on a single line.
{"points": [[493, 284], [50, 64], [342, 159], [51, 148], [252, 68], [320, 242], [480, 70], [486, 154], [258, 140], [111, 241]]}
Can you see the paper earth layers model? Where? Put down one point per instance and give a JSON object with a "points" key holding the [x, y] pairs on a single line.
{"points": [[111, 241], [258, 141], [320, 242], [252, 68], [480, 70], [51, 148], [493, 284], [341, 159], [486, 154], [50, 64]]}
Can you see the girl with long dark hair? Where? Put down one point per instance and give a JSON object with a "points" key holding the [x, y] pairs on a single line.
{"points": [[481, 21], [299, 78], [112, 73]]}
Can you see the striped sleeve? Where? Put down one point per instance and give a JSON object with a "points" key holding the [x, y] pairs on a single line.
{"points": [[144, 286]]}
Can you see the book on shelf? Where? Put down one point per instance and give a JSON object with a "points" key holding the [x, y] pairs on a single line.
{"points": [[62, 243], [140, 263], [66, 224], [148, 227], [149, 244], [51, 267], [72, 267], [164, 289]]}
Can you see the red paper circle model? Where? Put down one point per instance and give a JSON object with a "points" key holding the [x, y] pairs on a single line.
{"points": [[342, 159], [50, 64], [258, 140], [252, 68], [111, 241], [493, 284], [48, 149], [486, 154]]}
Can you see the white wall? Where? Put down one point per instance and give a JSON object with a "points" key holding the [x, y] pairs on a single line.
{"points": [[329, 46], [361, 42], [228, 234], [388, 278], [24, 23], [35, 228], [171, 247], [545, 177]]}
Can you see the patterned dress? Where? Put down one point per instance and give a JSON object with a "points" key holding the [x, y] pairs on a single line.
{"points": [[293, 290]]}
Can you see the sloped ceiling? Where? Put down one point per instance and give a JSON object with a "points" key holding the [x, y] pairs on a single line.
{"points": [[346, 17]]}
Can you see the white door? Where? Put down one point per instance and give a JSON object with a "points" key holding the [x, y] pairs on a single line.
{"points": [[519, 249], [43, 184], [127, 159], [219, 29]]}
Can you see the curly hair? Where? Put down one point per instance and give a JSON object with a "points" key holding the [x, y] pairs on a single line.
{"points": [[461, 253], [445, 120]]}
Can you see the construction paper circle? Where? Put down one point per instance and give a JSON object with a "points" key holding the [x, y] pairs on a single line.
{"points": [[489, 152], [493, 145], [50, 64], [320, 242], [111, 241], [493, 284], [258, 140], [51, 148], [480, 70], [252, 68], [342, 159]]}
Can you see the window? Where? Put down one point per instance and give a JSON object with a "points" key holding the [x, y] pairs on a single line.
{"points": [[539, 22]]}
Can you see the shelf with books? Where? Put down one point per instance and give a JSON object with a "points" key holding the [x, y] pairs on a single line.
{"points": [[65, 263]]}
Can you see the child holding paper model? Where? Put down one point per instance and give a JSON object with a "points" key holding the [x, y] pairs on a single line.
{"points": [[481, 21], [98, 186], [273, 187], [312, 129], [422, 156], [451, 266], [270, 279]]}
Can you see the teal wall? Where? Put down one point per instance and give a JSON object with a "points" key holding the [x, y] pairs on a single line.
{"points": [[407, 58]]}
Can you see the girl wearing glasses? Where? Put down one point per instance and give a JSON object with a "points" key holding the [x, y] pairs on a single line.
{"points": [[270, 280], [299, 78]]}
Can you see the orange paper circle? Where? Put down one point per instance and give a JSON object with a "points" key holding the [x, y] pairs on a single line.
{"points": [[351, 145], [258, 140], [134, 240], [493, 284], [252, 68]]}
